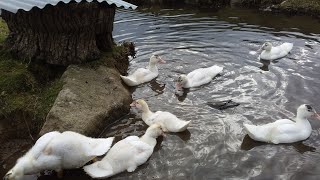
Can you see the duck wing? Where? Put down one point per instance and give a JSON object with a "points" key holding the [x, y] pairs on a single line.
{"points": [[171, 122], [288, 133], [140, 73], [202, 76], [263, 132], [42, 143], [279, 51]]}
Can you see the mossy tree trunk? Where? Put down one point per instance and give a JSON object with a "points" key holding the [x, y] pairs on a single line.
{"points": [[63, 34]]}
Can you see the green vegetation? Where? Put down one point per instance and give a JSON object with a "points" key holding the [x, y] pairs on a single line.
{"points": [[305, 6], [28, 89], [3, 30], [107, 57], [21, 89]]}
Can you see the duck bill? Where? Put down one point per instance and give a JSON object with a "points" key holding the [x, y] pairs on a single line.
{"points": [[162, 61], [178, 86], [163, 134], [260, 49], [7, 176], [316, 115], [133, 104]]}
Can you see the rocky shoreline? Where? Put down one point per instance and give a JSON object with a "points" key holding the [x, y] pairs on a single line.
{"points": [[91, 99]]}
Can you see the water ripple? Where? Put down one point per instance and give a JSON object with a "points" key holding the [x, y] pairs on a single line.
{"points": [[215, 145]]}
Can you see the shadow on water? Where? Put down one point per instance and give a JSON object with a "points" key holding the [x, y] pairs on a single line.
{"points": [[156, 86], [158, 145], [265, 65], [222, 105], [182, 94], [185, 135], [248, 144]]}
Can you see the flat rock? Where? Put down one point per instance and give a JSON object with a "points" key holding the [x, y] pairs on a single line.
{"points": [[90, 99]]}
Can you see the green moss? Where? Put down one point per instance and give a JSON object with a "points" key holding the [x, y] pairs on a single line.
{"points": [[3, 30], [107, 57], [15, 77], [26, 88], [302, 5], [20, 91]]}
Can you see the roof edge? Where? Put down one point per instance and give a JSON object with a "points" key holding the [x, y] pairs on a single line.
{"points": [[14, 6]]}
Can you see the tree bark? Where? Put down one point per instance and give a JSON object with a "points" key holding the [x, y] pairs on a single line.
{"points": [[63, 34]]}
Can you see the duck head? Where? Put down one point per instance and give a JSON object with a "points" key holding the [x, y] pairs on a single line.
{"points": [[181, 81], [306, 111], [16, 173], [154, 131], [140, 104], [156, 59], [266, 46]]}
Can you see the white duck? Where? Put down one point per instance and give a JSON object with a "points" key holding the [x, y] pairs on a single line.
{"points": [[271, 53], [143, 75], [126, 154], [168, 121], [58, 151], [284, 130], [197, 77]]}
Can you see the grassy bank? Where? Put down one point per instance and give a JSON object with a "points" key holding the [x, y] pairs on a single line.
{"points": [[24, 92], [29, 89]]}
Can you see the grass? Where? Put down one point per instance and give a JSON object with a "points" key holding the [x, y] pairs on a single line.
{"points": [[21, 90]]}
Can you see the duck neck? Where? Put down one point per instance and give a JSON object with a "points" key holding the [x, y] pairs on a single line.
{"points": [[149, 139], [153, 67], [24, 165], [186, 83], [269, 49], [302, 119], [146, 112]]}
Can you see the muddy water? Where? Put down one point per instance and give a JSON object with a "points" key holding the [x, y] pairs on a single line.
{"points": [[215, 145]]}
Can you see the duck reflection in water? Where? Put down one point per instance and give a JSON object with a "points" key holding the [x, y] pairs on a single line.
{"points": [[248, 144], [185, 135], [156, 86], [182, 94], [266, 63]]}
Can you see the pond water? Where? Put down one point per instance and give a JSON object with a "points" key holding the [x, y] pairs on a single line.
{"points": [[215, 145]]}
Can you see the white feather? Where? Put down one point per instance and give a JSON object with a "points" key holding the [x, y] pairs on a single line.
{"points": [[283, 130], [202, 76], [125, 155], [276, 52], [169, 122], [142, 75], [57, 151]]}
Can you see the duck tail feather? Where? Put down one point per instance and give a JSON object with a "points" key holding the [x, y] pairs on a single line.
{"points": [[98, 170], [102, 146]]}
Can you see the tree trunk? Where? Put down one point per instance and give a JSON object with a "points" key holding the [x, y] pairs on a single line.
{"points": [[63, 34]]}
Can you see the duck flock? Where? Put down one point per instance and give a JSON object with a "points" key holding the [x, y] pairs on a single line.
{"points": [[68, 150]]}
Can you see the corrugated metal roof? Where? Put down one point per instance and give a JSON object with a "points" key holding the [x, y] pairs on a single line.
{"points": [[14, 5]]}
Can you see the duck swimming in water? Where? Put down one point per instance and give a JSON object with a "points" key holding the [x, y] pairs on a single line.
{"points": [[143, 75], [270, 52], [284, 130]]}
